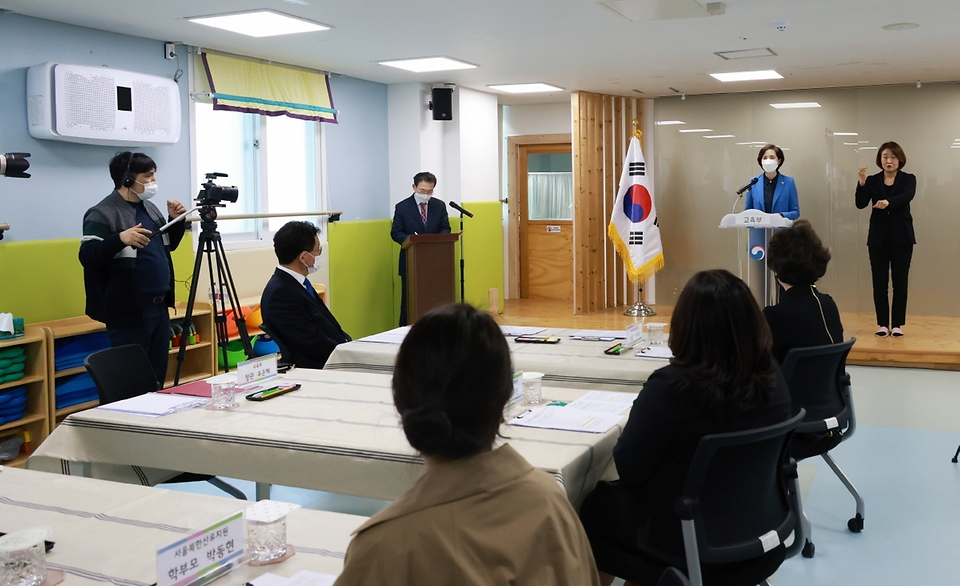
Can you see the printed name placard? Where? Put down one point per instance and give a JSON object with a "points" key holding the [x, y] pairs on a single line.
{"points": [[256, 370], [634, 334], [209, 551]]}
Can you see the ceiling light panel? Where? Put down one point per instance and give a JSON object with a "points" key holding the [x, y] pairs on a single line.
{"points": [[793, 105], [745, 53], [746, 75], [696, 130], [427, 64], [669, 122], [260, 23], [525, 88]]}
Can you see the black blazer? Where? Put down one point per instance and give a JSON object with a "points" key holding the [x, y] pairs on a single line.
{"points": [[406, 221], [896, 218], [300, 321], [796, 321], [656, 447]]}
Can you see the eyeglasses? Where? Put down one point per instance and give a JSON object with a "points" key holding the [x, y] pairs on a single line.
{"points": [[318, 252]]}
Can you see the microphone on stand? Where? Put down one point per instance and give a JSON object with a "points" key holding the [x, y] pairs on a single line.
{"points": [[747, 186], [457, 207], [741, 191]]}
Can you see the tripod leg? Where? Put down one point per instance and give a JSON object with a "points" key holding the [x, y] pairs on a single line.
{"points": [[223, 270], [188, 318]]}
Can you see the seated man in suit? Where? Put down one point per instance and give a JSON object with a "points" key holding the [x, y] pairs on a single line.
{"points": [[418, 214], [292, 311]]}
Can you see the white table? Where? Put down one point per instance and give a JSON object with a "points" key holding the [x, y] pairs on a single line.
{"points": [[339, 433], [579, 364], [109, 533]]}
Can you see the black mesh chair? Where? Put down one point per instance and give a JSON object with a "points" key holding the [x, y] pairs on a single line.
{"points": [[740, 503], [124, 372], [286, 359], [818, 383], [673, 577]]}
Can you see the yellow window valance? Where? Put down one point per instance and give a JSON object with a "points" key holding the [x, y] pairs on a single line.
{"points": [[244, 85]]}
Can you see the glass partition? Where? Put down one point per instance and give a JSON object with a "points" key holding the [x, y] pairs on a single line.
{"points": [[703, 161]]}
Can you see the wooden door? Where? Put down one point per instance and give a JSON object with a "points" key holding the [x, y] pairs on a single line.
{"points": [[546, 221]]}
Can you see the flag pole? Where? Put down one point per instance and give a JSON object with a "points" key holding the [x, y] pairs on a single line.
{"points": [[640, 309]]}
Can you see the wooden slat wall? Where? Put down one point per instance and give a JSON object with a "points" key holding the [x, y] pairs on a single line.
{"points": [[602, 127]]}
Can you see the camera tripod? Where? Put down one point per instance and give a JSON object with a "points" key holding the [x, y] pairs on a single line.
{"points": [[211, 247]]}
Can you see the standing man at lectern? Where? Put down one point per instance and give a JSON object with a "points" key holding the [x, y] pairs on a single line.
{"points": [[418, 214]]}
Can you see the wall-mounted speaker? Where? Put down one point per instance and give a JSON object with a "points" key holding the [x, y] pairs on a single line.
{"points": [[442, 103]]}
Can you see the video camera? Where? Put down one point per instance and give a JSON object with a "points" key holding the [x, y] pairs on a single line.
{"points": [[14, 165], [213, 194]]}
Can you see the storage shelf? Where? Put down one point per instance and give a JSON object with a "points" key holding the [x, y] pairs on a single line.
{"points": [[17, 462], [173, 351], [23, 381], [70, 371], [187, 379], [24, 421], [61, 413]]}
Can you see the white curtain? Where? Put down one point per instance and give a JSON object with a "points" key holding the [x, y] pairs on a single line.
{"points": [[550, 196]]}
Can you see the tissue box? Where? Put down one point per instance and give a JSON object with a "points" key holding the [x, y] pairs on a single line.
{"points": [[17, 329]]}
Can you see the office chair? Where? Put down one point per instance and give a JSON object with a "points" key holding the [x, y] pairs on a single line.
{"points": [[741, 501], [285, 357], [818, 383], [124, 372], [673, 577]]}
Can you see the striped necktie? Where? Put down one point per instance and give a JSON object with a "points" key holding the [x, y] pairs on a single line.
{"points": [[423, 213]]}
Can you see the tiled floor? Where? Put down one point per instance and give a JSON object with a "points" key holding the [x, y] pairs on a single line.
{"points": [[899, 459]]}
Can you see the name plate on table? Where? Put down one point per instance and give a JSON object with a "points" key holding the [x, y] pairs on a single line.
{"points": [[634, 335], [256, 370], [206, 554]]}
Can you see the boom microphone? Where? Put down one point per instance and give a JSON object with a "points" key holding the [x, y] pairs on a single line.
{"points": [[457, 207], [747, 186]]}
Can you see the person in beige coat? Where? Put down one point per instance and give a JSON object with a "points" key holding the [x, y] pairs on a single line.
{"points": [[479, 515]]}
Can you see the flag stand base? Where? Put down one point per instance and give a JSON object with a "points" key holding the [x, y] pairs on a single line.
{"points": [[640, 309]]}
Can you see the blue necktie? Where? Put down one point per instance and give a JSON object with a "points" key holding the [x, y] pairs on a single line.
{"points": [[310, 289]]}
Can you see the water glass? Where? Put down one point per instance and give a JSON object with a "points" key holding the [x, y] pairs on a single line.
{"points": [[22, 556], [221, 395], [655, 335], [267, 540], [532, 387]]}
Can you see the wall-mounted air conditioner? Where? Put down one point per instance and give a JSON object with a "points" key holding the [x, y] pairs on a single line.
{"points": [[97, 105]]}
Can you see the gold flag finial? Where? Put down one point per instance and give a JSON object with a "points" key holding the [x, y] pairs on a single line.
{"points": [[636, 131]]}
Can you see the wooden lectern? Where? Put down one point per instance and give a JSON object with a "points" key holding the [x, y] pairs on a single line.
{"points": [[430, 272]]}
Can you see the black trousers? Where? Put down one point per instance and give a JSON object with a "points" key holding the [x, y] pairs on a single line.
{"points": [[403, 300], [152, 334], [890, 262]]}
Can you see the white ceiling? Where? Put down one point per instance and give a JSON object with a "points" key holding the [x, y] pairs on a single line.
{"points": [[574, 44]]}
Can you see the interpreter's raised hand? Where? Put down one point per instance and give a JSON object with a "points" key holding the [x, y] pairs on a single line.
{"points": [[175, 208], [882, 204], [863, 175], [136, 237]]}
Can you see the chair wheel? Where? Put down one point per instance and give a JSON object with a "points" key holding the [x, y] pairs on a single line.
{"points": [[808, 549], [856, 524]]}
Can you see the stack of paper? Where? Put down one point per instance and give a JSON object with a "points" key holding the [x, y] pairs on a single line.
{"points": [[154, 404], [394, 336], [521, 330], [301, 578], [595, 412], [605, 335]]}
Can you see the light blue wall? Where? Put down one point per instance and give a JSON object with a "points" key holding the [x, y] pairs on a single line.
{"points": [[357, 160], [68, 178]]}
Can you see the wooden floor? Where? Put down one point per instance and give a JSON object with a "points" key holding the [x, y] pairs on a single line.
{"points": [[930, 342]]}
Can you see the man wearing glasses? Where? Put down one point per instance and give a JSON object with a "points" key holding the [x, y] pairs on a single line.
{"points": [[292, 311], [418, 214]]}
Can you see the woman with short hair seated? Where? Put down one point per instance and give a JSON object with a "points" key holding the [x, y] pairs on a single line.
{"points": [[480, 515], [804, 316], [721, 378]]}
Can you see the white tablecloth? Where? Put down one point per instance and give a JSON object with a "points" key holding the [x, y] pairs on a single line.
{"points": [[106, 532], [338, 433], [579, 364]]}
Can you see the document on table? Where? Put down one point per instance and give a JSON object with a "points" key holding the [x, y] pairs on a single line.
{"points": [[154, 404], [394, 336], [603, 402], [301, 578], [521, 330], [605, 335], [567, 419], [655, 352]]}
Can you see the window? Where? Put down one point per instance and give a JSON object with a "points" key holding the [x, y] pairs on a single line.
{"points": [[273, 161]]}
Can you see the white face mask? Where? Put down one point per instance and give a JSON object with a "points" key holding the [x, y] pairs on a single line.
{"points": [[149, 190], [769, 165], [422, 198], [316, 264]]}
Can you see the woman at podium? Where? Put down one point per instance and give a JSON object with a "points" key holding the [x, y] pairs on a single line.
{"points": [[774, 192], [891, 237]]}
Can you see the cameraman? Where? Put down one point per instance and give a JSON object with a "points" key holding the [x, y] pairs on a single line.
{"points": [[128, 274]]}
